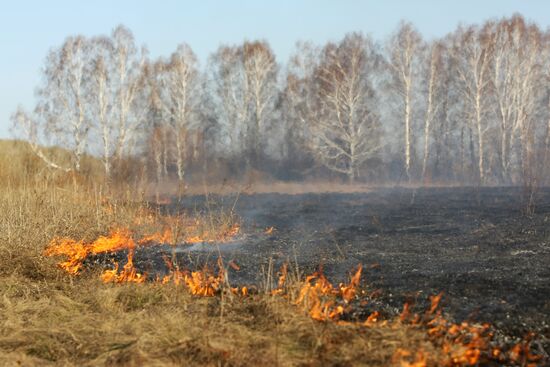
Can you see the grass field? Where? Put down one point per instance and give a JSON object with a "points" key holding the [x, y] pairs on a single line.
{"points": [[48, 317]]}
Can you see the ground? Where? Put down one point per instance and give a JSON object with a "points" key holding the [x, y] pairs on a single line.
{"points": [[472, 244]]}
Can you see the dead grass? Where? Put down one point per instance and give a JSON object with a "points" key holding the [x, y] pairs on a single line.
{"points": [[87, 323]]}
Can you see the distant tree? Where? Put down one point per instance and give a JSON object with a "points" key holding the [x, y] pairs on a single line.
{"points": [[524, 80], [260, 69], [339, 106], [179, 96], [404, 55], [30, 129], [229, 90], [62, 112], [297, 100], [472, 55], [118, 95], [245, 89], [434, 80], [129, 96]]}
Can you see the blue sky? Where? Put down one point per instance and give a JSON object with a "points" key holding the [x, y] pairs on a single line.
{"points": [[28, 29]]}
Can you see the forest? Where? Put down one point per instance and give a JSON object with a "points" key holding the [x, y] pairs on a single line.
{"points": [[470, 108]]}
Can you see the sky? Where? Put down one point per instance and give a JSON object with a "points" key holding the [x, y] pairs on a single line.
{"points": [[28, 29]]}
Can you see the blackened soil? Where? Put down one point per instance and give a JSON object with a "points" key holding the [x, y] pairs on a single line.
{"points": [[492, 263]]}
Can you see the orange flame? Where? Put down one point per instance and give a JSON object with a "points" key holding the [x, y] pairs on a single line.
{"points": [[405, 358], [158, 237], [320, 299], [77, 251], [128, 273], [119, 239], [348, 291]]}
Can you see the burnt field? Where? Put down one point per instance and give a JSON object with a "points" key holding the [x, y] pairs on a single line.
{"points": [[490, 262]]}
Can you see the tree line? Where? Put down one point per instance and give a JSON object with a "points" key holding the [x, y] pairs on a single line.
{"points": [[472, 107]]}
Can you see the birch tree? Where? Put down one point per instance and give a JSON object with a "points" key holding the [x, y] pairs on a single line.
{"points": [[260, 70], [245, 87], [63, 99], [102, 95], [118, 101], [128, 84], [433, 102], [343, 126], [404, 50], [472, 65], [62, 113], [230, 91], [298, 96], [179, 98], [30, 129]]}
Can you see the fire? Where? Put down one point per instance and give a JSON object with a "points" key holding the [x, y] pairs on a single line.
{"points": [[373, 317], [460, 344], [405, 358], [269, 230], [76, 252], [283, 274], [282, 280], [521, 353], [320, 298], [128, 273], [158, 237], [201, 283], [220, 236], [348, 291], [466, 344], [122, 239], [434, 302]]}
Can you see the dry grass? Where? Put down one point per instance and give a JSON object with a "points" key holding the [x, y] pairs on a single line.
{"points": [[50, 318]]}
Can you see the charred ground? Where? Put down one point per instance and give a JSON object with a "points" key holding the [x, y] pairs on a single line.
{"points": [[473, 244]]}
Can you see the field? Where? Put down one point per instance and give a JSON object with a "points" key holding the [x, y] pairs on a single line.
{"points": [[449, 276], [471, 244], [52, 318]]}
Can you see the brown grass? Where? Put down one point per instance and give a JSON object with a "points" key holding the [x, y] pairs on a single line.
{"points": [[50, 318]]}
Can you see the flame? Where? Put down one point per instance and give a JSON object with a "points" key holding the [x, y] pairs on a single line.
{"points": [[282, 277], [521, 353], [404, 358], [464, 344], [373, 317], [461, 344], [76, 252], [200, 283], [269, 230], [348, 291], [434, 303], [282, 280], [159, 237], [321, 299], [128, 273], [221, 236], [120, 239]]}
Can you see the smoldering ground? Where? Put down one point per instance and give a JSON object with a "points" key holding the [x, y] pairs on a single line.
{"points": [[469, 243]]}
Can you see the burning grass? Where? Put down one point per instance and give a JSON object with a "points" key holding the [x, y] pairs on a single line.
{"points": [[49, 318], [452, 344], [190, 316]]}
